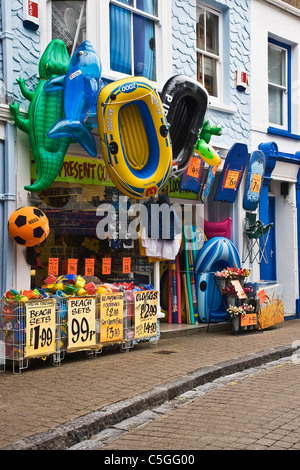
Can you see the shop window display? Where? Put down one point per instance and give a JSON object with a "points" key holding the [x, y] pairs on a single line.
{"points": [[71, 211]]}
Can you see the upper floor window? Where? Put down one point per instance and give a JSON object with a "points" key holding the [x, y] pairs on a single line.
{"points": [[132, 37], [69, 22], [208, 49], [278, 84]]}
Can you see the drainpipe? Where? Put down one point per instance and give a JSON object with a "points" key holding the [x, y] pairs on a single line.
{"points": [[7, 165]]}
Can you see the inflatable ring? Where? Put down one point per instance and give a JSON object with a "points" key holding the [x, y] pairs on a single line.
{"points": [[185, 102], [134, 137], [216, 254], [207, 153]]}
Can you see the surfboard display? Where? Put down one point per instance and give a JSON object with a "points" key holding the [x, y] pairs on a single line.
{"points": [[255, 175], [232, 173]]}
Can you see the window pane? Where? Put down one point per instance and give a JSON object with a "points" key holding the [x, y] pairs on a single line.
{"points": [[69, 22], [200, 30], [120, 40], [144, 47], [212, 33], [276, 65], [210, 76], [127, 2], [200, 68], [276, 105], [148, 6]]}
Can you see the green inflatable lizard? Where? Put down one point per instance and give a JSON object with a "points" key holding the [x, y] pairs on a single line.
{"points": [[44, 111]]}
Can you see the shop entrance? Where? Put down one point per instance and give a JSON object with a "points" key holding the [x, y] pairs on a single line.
{"points": [[268, 270]]}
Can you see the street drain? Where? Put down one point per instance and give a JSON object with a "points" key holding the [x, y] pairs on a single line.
{"points": [[164, 352]]}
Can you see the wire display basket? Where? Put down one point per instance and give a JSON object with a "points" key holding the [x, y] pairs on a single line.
{"points": [[56, 326]]}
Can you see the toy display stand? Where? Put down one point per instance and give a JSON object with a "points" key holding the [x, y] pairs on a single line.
{"points": [[53, 327]]}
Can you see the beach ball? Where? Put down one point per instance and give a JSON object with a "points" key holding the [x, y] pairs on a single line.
{"points": [[104, 290], [28, 226]]}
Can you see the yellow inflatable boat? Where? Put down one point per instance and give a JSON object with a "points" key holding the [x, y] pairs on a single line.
{"points": [[134, 136]]}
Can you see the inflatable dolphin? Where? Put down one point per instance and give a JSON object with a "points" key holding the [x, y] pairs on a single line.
{"points": [[81, 87]]}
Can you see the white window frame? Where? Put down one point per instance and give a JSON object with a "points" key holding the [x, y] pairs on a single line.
{"points": [[97, 26], [284, 125], [214, 100]]}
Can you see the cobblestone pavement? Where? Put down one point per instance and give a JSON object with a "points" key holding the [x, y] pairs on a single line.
{"points": [[258, 412], [72, 401]]}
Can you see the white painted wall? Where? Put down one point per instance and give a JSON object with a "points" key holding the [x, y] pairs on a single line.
{"points": [[270, 20], [276, 19], [286, 245]]}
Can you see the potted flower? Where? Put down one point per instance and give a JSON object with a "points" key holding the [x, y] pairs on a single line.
{"points": [[236, 313], [230, 292], [221, 278]]}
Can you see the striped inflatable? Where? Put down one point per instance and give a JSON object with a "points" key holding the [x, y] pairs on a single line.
{"points": [[216, 254]]}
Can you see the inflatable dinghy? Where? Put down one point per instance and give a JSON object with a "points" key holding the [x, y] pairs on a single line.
{"points": [[185, 102], [134, 137]]}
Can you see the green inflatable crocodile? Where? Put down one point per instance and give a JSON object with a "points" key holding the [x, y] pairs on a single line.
{"points": [[44, 111]]}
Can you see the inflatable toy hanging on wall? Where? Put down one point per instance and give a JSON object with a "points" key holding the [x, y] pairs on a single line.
{"points": [[28, 226], [191, 179], [203, 147], [185, 103], [134, 137], [81, 87], [43, 112]]}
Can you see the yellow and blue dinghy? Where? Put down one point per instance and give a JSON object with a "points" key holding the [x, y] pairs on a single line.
{"points": [[134, 136]]}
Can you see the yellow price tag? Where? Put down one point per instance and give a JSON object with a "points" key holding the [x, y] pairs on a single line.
{"points": [[232, 179], [255, 184]]}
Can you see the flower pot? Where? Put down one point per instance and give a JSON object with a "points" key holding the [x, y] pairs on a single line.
{"points": [[235, 323], [231, 300], [221, 283], [242, 280]]}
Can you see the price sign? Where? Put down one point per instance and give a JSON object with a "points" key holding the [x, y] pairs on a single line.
{"points": [[145, 306], [249, 319], [40, 328], [232, 179], [240, 291], [255, 183], [194, 167], [89, 267], [111, 317], [81, 323], [126, 265], [106, 265], [53, 266], [72, 266], [262, 296]]}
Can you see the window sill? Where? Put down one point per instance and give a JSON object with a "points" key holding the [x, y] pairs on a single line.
{"points": [[282, 133], [222, 107]]}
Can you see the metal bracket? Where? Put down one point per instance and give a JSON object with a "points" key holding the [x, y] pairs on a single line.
{"points": [[7, 197]]}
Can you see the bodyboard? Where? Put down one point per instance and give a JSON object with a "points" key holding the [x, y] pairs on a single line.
{"points": [[255, 175], [232, 173]]}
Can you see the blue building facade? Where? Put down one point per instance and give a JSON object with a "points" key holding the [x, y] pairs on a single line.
{"points": [[208, 40]]}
